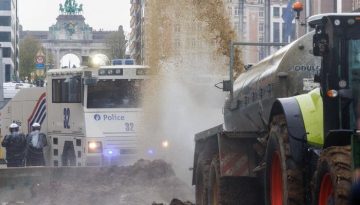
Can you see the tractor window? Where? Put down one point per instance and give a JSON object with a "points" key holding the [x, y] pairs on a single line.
{"points": [[66, 90], [354, 69], [354, 54], [120, 93]]}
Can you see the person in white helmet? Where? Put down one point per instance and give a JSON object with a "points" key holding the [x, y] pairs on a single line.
{"points": [[15, 144], [35, 142]]}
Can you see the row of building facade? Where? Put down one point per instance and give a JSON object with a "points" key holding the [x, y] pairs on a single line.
{"points": [[248, 20], [9, 36], [70, 34]]}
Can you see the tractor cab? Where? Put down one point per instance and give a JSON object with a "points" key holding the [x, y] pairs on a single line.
{"points": [[337, 41]]}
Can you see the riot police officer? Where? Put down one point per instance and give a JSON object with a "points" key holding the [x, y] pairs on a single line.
{"points": [[15, 144], [35, 142]]}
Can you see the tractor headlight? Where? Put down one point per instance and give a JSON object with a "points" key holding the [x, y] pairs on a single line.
{"points": [[94, 147]]}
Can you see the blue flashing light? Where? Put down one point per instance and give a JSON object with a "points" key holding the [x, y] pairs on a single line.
{"points": [[117, 62], [150, 151], [129, 62], [123, 62], [111, 152]]}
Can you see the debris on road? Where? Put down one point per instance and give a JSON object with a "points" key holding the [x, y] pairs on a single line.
{"points": [[142, 183]]}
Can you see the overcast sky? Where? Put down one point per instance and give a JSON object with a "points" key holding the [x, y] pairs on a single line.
{"points": [[103, 14]]}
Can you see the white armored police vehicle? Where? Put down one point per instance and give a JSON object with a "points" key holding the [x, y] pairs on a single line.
{"points": [[90, 115]]}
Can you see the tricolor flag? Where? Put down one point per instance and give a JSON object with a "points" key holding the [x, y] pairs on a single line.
{"points": [[39, 113]]}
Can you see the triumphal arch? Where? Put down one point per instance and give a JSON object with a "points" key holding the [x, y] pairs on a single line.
{"points": [[70, 35]]}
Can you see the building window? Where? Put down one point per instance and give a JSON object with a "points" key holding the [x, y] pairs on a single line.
{"points": [[177, 28], [276, 12], [199, 27], [261, 13], [7, 72], [5, 36], [276, 32], [283, 11], [261, 27], [236, 26], [230, 10], [5, 5], [283, 31], [5, 21], [199, 43], [177, 43], [6, 52], [356, 5], [193, 43], [237, 11]]}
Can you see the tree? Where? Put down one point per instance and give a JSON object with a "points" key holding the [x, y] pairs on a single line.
{"points": [[116, 43], [50, 60], [28, 47]]}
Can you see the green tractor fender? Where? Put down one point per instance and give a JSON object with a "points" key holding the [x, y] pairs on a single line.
{"points": [[311, 107], [303, 116]]}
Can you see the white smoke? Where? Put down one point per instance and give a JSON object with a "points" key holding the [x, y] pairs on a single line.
{"points": [[187, 102]]}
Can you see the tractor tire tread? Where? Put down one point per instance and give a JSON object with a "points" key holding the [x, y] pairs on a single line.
{"points": [[295, 190], [337, 161]]}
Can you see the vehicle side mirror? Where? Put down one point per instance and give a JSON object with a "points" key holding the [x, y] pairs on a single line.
{"points": [[317, 78]]}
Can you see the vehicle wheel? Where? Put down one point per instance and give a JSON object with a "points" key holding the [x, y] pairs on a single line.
{"points": [[283, 177], [333, 177], [202, 175], [232, 190]]}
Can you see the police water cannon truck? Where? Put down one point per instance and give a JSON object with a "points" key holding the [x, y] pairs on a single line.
{"points": [[291, 124], [89, 114]]}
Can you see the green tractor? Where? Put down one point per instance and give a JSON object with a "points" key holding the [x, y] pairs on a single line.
{"points": [[313, 144]]}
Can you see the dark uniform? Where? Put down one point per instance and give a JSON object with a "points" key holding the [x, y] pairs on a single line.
{"points": [[15, 144], [355, 189], [35, 142]]}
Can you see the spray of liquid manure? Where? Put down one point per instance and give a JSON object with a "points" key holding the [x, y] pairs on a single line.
{"points": [[187, 49], [212, 13]]}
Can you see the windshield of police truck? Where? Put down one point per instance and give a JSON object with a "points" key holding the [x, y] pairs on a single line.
{"points": [[120, 93], [66, 90]]}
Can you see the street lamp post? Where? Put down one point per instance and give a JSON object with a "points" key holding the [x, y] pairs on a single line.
{"points": [[267, 22], [2, 71]]}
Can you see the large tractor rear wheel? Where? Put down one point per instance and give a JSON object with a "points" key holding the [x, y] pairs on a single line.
{"points": [[283, 177], [333, 177], [232, 190]]}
